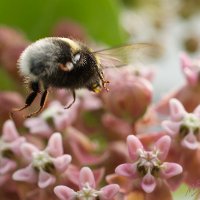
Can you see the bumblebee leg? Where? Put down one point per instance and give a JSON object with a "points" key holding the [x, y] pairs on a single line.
{"points": [[74, 99], [42, 104], [104, 82], [29, 100]]}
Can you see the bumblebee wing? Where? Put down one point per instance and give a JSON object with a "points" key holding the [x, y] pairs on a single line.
{"points": [[124, 55]]}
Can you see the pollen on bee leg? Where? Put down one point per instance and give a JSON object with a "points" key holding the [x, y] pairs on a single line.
{"points": [[104, 82]]}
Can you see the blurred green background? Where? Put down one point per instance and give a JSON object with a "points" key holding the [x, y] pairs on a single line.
{"points": [[36, 18]]}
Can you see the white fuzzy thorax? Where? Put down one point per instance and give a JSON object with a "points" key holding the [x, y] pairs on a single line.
{"points": [[43, 50]]}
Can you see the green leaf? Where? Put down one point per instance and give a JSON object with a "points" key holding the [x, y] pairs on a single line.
{"points": [[36, 18]]}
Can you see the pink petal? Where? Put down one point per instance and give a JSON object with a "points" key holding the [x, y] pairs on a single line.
{"points": [[197, 111], [185, 60], [38, 126], [171, 169], [27, 151], [163, 145], [148, 183], [9, 131], [177, 110], [186, 64], [172, 128], [190, 141], [55, 146], [86, 176], [64, 193], [45, 179], [128, 170], [61, 163], [27, 174], [16, 145], [6, 165], [109, 191], [134, 145]]}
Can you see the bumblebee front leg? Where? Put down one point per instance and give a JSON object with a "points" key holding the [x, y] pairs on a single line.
{"points": [[104, 82], [34, 86]]}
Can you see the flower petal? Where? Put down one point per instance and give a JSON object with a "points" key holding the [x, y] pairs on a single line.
{"points": [[38, 126], [27, 151], [197, 111], [27, 174], [170, 169], [134, 145], [9, 131], [6, 165], [128, 170], [55, 146], [190, 141], [109, 191], [171, 127], [148, 183], [64, 193], [163, 145], [61, 163], [86, 176], [45, 179], [177, 110]]}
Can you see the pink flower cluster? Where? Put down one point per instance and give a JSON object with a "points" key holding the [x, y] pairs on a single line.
{"points": [[116, 145]]}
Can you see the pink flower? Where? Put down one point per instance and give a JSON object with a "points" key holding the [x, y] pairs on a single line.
{"points": [[148, 167], [10, 143], [191, 69], [87, 188], [183, 126], [43, 165], [131, 93], [60, 117], [189, 93]]}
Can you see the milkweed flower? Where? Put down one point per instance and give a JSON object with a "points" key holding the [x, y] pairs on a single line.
{"points": [[60, 117], [132, 94], [44, 165], [183, 126], [148, 167], [87, 188], [10, 142], [189, 93]]}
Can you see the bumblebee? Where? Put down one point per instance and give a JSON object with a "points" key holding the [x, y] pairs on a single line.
{"points": [[63, 63]]}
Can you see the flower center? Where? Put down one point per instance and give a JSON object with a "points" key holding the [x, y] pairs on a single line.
{"points": [[42, 160], [148, 162], [5, 150], [190, 123], [87, 193]]}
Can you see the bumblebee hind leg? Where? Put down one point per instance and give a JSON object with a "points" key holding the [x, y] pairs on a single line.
{"points": [[34, 86], [42, 104]]}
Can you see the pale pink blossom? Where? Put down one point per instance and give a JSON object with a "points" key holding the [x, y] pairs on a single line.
{"points": [[87, 188], [148, 167], [129, 95], [191, 69], [55, 112], [10, 142], [43, 164], [184, 127]]}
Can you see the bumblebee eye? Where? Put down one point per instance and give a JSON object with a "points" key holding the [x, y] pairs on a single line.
{"points": [[76, 58]]}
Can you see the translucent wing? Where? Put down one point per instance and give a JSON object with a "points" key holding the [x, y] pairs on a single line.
{"points": [[124, 55]]}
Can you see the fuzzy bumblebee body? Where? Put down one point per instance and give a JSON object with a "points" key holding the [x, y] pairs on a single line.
{"points": [[61, 63]]}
